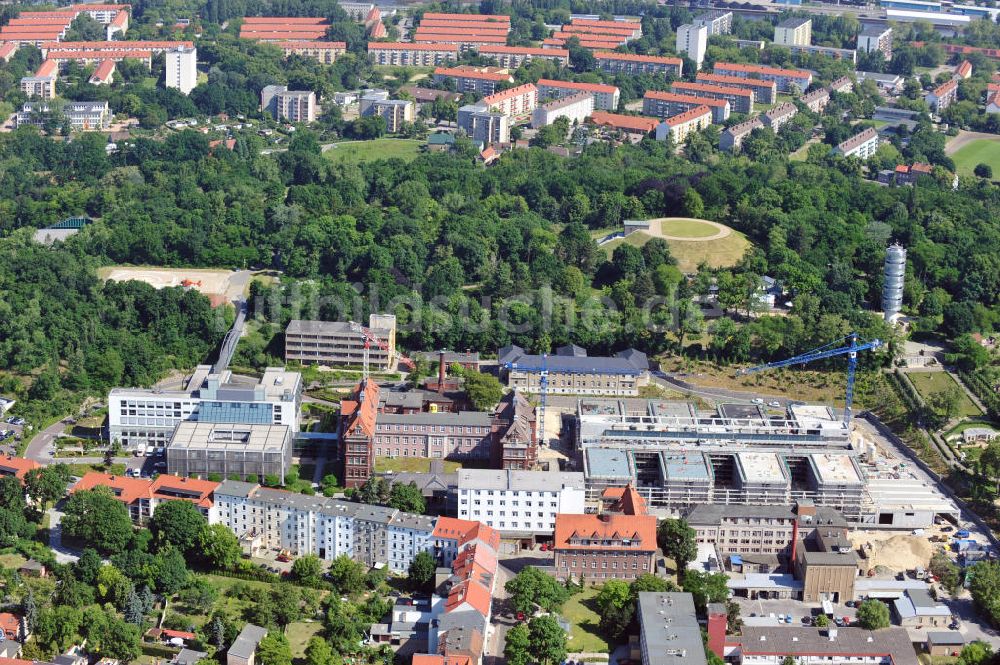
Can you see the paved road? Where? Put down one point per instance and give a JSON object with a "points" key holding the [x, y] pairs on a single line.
{"points": [[42, 443], [62, 554], [673, 382]]}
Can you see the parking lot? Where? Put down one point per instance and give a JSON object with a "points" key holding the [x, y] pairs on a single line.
{"points": [[752, 610]]}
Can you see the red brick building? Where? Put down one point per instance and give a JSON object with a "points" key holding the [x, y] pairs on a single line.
{"points": [[357, 433]]}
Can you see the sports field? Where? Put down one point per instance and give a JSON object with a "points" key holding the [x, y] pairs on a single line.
{"points": [[980, 151], [369, 151], [692, 242]]}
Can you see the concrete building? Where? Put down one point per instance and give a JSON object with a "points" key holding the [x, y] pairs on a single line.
{"points": [[515, 102], [843, 84], [243, 650], [576, 108], [82, 116], [778, 116], [182, 69], [482, 125], [404, 54], [266, 519], [732, 137], [876, 38], [682, 125], [41, 87], [629, 63], [227, 449], [356, 433], [847, 54], [513, 57], [916, 609], [692, 40], [891, 83], [568, 373], [718, 21], [477, 80], [787, 80], [816, 100], [142, 496], [394, 111], [942, 96], [666, 104], [669, 632], [764, 92], [827, 565], [740, 99], [341, 343], [606, 97], [793, 32], [290, 105], [141, 416], [944, 643], [519, 503], [762, 645], [862, 145], [325, 53]]}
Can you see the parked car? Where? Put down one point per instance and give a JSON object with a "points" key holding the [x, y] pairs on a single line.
{"points": [[954, 625], [757, 400], [850, 603], [788, 618], [776, 404], [962, 533], [947, 529]]}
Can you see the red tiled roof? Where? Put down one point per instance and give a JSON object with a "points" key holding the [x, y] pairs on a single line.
{"points": [[593, 30], [687, 99], [169, 634], [628, 500], [301, 44], [98, 54], [104, 70], [763, 69], [945, 88], [17, 466], [688, 116], [588, 87], [118, 45], [363, 418], [17, 661], [471, 74], [510, 92], [10, 626], [164, 488], [377, 30], [488, 31], [921, 168], [524, 50], [473, 593], [607, 24], [590, 41], [641, 529], [632, 57], [484, 18], [470, 39], [120, 19], [285, 20], [717, 89], [451, 48], [7, 49], [722, 78], [47, 68], [630, 123], [465, 531]]}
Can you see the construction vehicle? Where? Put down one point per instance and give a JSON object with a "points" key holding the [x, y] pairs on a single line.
{"points": [[188, 283]]}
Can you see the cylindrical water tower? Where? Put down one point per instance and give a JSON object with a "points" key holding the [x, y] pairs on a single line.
{"points": [[892, 287]]}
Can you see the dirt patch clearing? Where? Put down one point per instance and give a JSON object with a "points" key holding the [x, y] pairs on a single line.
{"points": [[218, 285]]}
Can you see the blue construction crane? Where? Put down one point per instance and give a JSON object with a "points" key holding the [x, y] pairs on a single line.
{"points": [[828, 351]]}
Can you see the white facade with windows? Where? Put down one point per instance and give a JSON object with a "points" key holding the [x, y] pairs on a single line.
{"points": [[182, 68], [519, 502]]}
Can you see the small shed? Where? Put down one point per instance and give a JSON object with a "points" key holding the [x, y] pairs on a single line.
{"points": [[633, 225], [944, 642]]}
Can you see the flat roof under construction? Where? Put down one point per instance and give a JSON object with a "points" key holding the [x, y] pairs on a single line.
{"points": [[835, 469], [685, 466], [608, 463], [760, 468]]}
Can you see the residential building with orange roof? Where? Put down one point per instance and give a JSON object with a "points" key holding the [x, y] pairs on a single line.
{"points": [[740, 99], [465, 41], [465, 30], [636, 126], [103, 73], [325, 53], [513, 57], [765, 92], [7, 51], [993, 102], [468, 18], [513, 102], [559, 40], [11, 627], [405, 54], [97, 56], [377, 30], [477, 80], [603, 547], [452, 535], [682, 125], [606, 97], [156, 46], [634, 26], [17, 466], [661, 104], [964, 70], [630, 63], [787, 80], [942, 96], [611, 33], [623, 500], [141, 495]]}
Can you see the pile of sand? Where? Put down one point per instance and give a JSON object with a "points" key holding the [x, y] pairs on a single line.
{"points": [[901, 552]]}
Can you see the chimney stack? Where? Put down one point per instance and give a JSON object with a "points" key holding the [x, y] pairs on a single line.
{"points": [[441, 372]]}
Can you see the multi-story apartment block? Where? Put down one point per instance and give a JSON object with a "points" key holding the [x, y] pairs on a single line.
{"points": [[82, 116], [411, 55], [141, 416], [290, 105], [760, 645], [182, 69], [519, 503], [155, 46], [777, 117], [571, 372], [273, 519], [605, 96], [693, 40], [666, 104], [816, 100], [876, 38], [325, 53], [669, 632], [514, 102], [452, 535], [465, 435], [42, 87], [394, 111], [942, 96], [787, 80], [356, 11], [629, 63], [682, 125], [103, 73], [340, 343], [740, 99], [281, 28], [764, 92], [793, 32], [842, 84], [513, 57], [482, 125], [477, 80], [862, 145], [847, 54], [576, 108], [718, 22], [142, 495], [248, 451]]}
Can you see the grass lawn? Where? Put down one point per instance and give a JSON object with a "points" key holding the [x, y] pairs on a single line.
{"points": [[298, 635], [411, 464], [687, 228], [980, 151], [721, 253], [82, 469], [367, 151], [955, 431], [584, 634], [12, 560], [929, 383]]}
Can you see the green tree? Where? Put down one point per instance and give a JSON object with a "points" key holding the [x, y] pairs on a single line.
{"points": [[976, 652], [615, 606], [318, 652], [177, 523], [983, 171], [274, 649], [218, 547], [693, 204], [678, 541], [307, 569], [984, 585], [484, 390], [532, 588], [873, 614], [706, 587], [548, 640], [822, 621], [96, 518], [946, 571], [47, 484], [347, 575], [421, 572], [517, 648], [407, 497]]}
